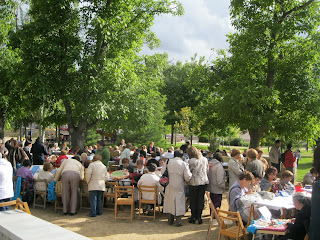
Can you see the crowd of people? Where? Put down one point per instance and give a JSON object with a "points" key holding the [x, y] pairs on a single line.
{"points": [[189, 172]]}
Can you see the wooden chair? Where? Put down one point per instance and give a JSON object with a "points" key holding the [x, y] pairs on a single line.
{"points": [[153, 190], [23, 206], [84, 193], [42, 194], [109, 193], [58, 201], [237, 231], [119, 200], [213, 214]]}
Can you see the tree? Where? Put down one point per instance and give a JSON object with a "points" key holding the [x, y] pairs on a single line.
{"points": [[9, 58], [188, 122], [82, 53], [268, 81], [177, 90]]}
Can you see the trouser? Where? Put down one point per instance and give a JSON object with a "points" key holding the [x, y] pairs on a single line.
{"points": [[70, 183], [277, 166], [95, 202], [196, 200], [216, 199], [2, 201]]}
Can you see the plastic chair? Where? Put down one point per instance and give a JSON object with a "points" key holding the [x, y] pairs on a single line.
{"points": [[23, 206], [155, 202], [109, 193], [119, 200], [40, 193], [237, 231]]}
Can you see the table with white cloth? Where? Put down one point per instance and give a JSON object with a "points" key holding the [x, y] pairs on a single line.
{"points": [[278, 203]]}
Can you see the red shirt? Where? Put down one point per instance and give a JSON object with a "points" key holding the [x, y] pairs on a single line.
{"points": [[289, 159], [59, 159]]}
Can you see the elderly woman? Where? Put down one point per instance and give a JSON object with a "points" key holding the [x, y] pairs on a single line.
{"points": [[298, 229], [216, 177], [45, 173], [96, 175], [198, 183], [235, 168], [174, 199], [71, 172], [267, 183], [254, 165]]}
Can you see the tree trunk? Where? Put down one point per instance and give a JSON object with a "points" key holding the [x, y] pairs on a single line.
{"points": [[77, 138], [59, 136], [191, 136], [255, 136], [2, 122], [172, 133]]}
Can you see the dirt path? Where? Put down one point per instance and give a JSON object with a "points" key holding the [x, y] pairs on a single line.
{"points": [[105, 227]]}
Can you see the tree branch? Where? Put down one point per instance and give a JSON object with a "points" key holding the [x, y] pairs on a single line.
{"points": [[297, 8]]}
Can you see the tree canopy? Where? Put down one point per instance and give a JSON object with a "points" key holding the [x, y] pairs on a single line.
{"points": [[83, 53]]}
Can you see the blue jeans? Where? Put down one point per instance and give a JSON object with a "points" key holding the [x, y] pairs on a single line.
{"points": [[95, 202], [4, 208]]}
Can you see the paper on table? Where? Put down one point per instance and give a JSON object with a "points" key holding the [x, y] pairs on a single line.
{"points": [[266, 214]]}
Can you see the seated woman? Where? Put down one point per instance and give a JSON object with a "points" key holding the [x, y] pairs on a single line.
{"points": [[26, 173], [63, 155], [298, 229], [285, 184], [310, 177], [239, 189], [268, 183], [45, 173]]}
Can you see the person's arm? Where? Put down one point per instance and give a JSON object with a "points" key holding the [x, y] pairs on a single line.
{"points": [[58, 173], [186, 173], [220, 177], [82, 172], [234, 167], [89, 173]]}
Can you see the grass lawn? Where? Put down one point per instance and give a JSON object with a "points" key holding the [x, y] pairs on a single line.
{"points": [[305, 164]]}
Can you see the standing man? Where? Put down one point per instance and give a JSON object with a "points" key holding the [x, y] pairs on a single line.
{"points": [[103, 150], [275, 155]]}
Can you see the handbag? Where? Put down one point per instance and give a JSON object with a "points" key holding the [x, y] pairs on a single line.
{"points": [[164, 179]]}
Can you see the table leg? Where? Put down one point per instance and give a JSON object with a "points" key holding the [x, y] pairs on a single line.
{"points": [[253, 236], [273, 237]]}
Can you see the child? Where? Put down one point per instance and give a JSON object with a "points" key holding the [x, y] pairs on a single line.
{"points": [[140, 168], [285, 184], [125, 165]]}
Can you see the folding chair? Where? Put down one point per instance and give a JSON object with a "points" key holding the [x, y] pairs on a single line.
{"points": [[237, 231], [213, 214], [109, 193], [23, 206], [152, 190], [41, 193], [119, 200]]}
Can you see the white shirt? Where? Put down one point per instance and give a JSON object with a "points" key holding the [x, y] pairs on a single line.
{"points": [[150, 179], [6, 184]]}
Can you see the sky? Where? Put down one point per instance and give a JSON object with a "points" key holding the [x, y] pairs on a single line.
{"points": [[203, 27]]}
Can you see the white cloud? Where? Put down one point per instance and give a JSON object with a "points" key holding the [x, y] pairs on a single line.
{"points": [[203, 26]]}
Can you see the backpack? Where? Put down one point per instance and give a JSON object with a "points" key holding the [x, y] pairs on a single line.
{"points": [[283, 156]]}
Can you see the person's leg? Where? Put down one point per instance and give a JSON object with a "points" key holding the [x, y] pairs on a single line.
{"points": [[193, 202], [216, 199], [178, 221], [99, 202], [4, 208], [93, 203], [170, 219], [74, 183], [65, 191], [200, 202], [291, 170]]}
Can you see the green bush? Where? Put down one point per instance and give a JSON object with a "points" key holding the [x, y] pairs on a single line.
{"points": [[92, 138]]}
